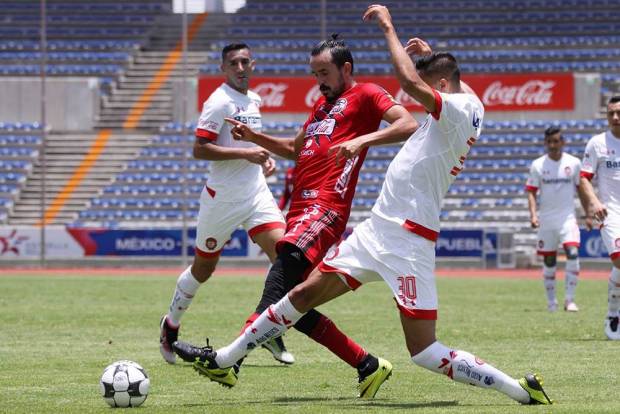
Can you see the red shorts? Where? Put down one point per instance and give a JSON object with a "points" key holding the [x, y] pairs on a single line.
{"points": [[314, 231]]}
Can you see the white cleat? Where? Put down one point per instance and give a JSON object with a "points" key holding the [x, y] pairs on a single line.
{"points": [[571, 306], [278, 350], [611, 328], [167, 336]]}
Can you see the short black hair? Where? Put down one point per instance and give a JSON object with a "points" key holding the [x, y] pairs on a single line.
{"points": [[233, 46], [552, 130], [339, 50], [614, 99], [441, 64]]}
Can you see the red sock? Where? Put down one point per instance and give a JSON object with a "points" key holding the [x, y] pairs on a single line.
{"points": [[327, 334], [249, 321]]}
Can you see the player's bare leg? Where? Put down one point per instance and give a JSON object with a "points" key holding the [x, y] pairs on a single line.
{"points": [[461, 366], [187, 285]]}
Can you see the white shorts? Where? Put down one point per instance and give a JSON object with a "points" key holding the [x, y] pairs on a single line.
{"points": [[217, 220], [381, 250], [610, 233], [550, 237]]}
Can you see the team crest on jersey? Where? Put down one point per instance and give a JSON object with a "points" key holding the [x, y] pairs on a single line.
{"points": [[617, 243], [333, 252], [211, 243], [541, 244], [339, 107], [567, 171]]}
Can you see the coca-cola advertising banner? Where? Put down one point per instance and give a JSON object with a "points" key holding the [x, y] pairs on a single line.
{"points": [[498, 92]]}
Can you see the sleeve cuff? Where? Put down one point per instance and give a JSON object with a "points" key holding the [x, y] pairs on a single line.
{"points": [[203, 133], [438, 105], [531, 188], [586, 174]]}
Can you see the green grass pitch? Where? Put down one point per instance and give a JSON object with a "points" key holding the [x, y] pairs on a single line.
{"points": [[57, 333]]}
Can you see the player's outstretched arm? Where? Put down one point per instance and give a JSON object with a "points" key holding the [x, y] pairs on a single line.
{"points": [[284, 147], [404, 68]]}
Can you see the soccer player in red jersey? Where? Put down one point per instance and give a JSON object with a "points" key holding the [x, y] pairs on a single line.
{"points": [[326, 172]]}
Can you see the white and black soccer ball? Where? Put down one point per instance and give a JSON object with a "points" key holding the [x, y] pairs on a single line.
{"points": [[124, 384]]}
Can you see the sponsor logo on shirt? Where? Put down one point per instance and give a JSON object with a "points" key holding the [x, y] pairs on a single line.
{"points": [[556, 180], [306, 194], [324, 127], [251, 121], [476, 121]]}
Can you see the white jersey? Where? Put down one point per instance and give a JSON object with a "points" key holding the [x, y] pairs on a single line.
{"points": [[421, 173], [231, 180], [602, 159], [555, 182]]}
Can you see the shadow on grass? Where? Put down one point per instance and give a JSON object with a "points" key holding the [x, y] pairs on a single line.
{"points": [[347, 403]]}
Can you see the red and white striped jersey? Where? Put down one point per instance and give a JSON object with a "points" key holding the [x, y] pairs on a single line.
{"points": [[421, 173]]}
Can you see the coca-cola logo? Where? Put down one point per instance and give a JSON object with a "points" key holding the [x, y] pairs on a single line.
{"points": [[312, 96], [533, 92], [272, 94]]}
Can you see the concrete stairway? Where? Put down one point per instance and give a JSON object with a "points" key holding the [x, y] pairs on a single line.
{"points": [[145, 64], [63, 154]]}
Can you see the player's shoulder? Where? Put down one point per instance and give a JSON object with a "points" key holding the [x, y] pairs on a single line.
{"points": [[571, 158], [598, 138], [466, 100], [538, 162], [254, 96], [218, 96]]}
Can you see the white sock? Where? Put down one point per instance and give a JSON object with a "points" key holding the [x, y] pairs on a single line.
{"points": [[549, 281], [464, 367], [613, 298], [273, 322], [570, 282], [187, 286]]}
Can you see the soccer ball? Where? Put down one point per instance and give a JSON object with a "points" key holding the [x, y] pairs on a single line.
{"points": [[124, 384]]}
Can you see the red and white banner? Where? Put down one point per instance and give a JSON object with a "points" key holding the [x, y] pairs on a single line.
{"points": [[498, 92]]}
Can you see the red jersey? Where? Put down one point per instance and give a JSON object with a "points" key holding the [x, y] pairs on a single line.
{"points": [[318, 180]]}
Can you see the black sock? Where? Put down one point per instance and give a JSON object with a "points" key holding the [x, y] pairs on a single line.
{"points": [[368, 365]]}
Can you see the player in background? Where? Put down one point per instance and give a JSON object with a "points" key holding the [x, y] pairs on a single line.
{"points": [[236, 193], [329, 151], [602, 160], [397, 243], [554, 177]]}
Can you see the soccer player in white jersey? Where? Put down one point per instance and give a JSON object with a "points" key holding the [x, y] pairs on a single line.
{"points": [[236, 193], [397, 243], [554, 177], [602, 160]]}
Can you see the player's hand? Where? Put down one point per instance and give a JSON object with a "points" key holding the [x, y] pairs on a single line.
{"points": [[598, 210], [257, 155], [379, 13], [345, 150], [269, 167], [240, 131], [534, 222], [418, 47], [589, 223]]}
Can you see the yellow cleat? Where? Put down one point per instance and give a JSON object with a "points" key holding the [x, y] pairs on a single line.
{"points": [[369, 385]]}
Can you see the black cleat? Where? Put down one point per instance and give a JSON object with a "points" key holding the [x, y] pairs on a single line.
{"points": [[204, 362]]}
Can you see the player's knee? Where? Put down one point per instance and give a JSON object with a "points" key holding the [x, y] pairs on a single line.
{"points": [[301, 296], [550, 261], [572, 265], [572, 252], [294, 263]]}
